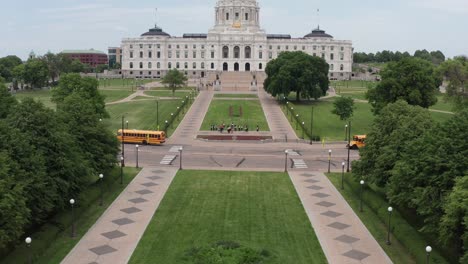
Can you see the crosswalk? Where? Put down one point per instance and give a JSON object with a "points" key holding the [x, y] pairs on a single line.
{"points": [[175, 149], [292, 152], [299, 164], [168, 159]]}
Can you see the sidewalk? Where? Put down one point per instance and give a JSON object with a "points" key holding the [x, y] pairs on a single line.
{"points": [[278, 123], [189, 126], [114, 237], [342, 235]]}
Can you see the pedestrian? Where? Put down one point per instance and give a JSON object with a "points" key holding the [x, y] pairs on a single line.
{"points": [[246, 128], [258, 129]]}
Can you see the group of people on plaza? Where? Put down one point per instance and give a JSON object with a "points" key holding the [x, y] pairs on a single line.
{"points": [[231, 128]]}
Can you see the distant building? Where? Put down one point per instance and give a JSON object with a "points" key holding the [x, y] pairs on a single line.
{"points": [[235, 43], [91, 57], [115, 56]]}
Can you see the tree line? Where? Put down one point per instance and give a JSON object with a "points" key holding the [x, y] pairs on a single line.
{"points": [[41, 71], [422, 165], [436, 57], [49, 156]]}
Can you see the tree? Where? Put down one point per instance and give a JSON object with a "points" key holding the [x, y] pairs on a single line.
{"points": [[87, 88], [174, 79], [36, 73], [53, 65], [392, 130], [76, 67], [7, 101], [344, 107], [454, 225], [297, 72], [456, 73], [6, 66], [411, 79]]}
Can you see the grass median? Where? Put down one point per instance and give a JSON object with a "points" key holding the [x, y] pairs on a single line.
{"points": [[51, 242], [256, 209], [408, 244]]}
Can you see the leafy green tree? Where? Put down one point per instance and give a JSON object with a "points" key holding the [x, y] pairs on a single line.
{"points": [[18, 74], [454, 225], [7, 102], [343, 107], [87, 88], [456, 73], [174, 79], [76, 67], [95, 140], [297, 72], [36, 73], [53, 65], [397, 125], [412, 79], [7, 64], [14, 214]]}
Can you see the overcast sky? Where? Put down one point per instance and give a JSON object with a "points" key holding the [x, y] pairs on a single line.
{"points": [[372, 25]]}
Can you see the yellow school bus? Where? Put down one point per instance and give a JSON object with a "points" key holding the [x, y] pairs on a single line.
{"points": [[358, 142], [144, 137]]}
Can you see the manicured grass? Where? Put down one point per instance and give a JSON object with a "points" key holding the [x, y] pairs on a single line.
{"points": [[442, 104], [114, 95], [329, 126], [52, 242], [180, 94], [218, 95], [252, 114], [43, 96], [408, 245], [256, 209], [353, 84], [122, 84], [142, 114]]}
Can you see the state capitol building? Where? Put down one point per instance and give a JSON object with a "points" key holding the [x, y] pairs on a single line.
{"points": [[235, 43]]}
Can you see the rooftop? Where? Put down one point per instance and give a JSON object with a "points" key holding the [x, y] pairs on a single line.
{"points": [[156, 31], [318, 33], [90, 51]]}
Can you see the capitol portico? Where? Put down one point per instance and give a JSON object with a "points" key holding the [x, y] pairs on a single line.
{"points": [[235, 43]]}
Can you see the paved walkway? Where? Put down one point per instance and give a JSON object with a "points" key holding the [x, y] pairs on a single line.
{"points": [[114, 237], [190, 125], [277, 121], [342, 235]]}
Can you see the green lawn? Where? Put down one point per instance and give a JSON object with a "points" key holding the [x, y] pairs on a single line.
{"points": [[41, 95], [122, 84], [252, 114], [218, 95], [257, 209], [114, 95], [142, 114], [442, 104], [52, 242], [408, 245], [181, 94], [329, 126]]}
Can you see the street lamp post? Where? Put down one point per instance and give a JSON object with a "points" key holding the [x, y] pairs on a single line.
{"points": [[428, 253], [126, 124], [122, 160], [165, 127], [362, 189], [297, 120], [101, 178], [28, 241], [172, 119], [157, 113], [303, 130], [346, 133], [311, 125], [137, 148], [72, 203], [123, 139], [292, 114], [342, 175], [329, 159], [390, 210], [286, 161], [349, 143], [180, 155]]}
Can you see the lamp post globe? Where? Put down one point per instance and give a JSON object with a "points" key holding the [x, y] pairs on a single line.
{"points": [[390, 209], [72, 201], [28, 241], [428, 253]]}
